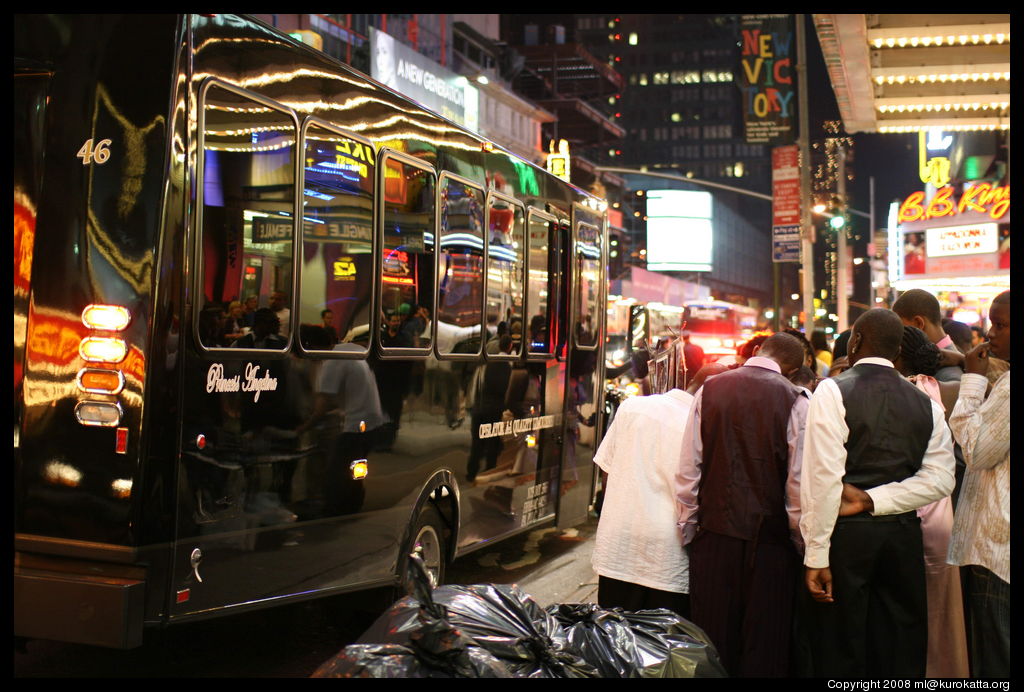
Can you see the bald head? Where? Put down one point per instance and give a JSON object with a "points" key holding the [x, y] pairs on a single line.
{"points": [[877, 333], [785, 349]]}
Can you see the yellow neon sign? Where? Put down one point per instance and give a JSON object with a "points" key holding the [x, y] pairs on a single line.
{"points": [[933, 170], [984, 198]]}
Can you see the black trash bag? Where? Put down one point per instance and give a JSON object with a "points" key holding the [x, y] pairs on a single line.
{"points": [[510, 625], [424, 645], [638, 644], [506, 623]]}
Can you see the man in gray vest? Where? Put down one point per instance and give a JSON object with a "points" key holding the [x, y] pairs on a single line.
{"points": [[737, 488], [878, 446]]}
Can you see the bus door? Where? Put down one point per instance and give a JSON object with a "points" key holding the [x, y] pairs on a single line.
{"points": [[583, 405]]}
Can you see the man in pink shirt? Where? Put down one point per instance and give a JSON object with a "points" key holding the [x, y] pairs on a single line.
{"points": [[919, 308]]}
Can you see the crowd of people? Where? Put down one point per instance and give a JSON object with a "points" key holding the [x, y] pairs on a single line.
{"points": [[824, 512]]}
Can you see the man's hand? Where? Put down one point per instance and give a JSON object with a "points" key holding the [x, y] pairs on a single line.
{"points": [[819, 583], [950, 356], [976, 360], [838, 366], [854, 501]]}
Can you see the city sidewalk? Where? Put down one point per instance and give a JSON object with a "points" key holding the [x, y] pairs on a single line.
{"points": [[550, 565]]}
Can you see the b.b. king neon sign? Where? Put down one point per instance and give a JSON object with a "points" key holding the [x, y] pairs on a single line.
{"points": [[983, 198]]}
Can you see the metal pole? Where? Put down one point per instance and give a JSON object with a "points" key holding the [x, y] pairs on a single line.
{"points": [[776, 297], [806, 230], [871, 201], [842, 300]]}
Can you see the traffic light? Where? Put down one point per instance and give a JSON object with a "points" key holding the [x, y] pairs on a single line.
{"points": [[840, 219]]}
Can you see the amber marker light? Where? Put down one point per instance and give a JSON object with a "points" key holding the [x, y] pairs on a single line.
{"points": [[101, 349], [100, 381], [112, 318], [359, 469]]}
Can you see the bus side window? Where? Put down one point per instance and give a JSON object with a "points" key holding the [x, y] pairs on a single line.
{"points": [[540, 287], [407, 287], [336, 294], [247, 230], [461, 268], [506, 265], [587, 261]]}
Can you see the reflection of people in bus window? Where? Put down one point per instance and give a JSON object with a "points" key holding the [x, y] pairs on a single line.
{"points": [[538, 333], [327, 318], [279, 304], [415, 324], [251, 303], [210, 324], [234, 324], [264, 334]]}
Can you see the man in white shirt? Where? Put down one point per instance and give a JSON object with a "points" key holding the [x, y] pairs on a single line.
{"points": [[738, 502], [981, 524], [880, 445], [638, 557]]}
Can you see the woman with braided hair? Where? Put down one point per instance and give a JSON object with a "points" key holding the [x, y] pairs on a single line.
{"points": [[918, 360]]}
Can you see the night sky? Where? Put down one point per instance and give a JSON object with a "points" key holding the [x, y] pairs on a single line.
{"points": [[890, 158]]}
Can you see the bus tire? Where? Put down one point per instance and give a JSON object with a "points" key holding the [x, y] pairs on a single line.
{"points": [[427, 539]]}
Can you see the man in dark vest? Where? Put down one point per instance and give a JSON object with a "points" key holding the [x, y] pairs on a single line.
{"points": [[738, 494], [876, 449]]}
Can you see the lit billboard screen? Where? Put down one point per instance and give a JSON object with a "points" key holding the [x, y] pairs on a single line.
{"points": [[679, 230]]}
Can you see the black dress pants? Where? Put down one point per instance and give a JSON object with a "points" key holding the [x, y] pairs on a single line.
{"points": [[741, 595], [614, 593], [877, 626]]}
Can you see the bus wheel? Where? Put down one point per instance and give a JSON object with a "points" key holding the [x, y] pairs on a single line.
{"points": [[428, 543]]}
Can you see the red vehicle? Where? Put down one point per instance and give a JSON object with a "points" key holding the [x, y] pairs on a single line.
{"points": [[719, 327]]}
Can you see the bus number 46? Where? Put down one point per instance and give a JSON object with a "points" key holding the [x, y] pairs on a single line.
{"points": [[99, 154]]}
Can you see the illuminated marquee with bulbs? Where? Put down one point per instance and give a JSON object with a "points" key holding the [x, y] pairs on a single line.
{"points": [[984, 198]]}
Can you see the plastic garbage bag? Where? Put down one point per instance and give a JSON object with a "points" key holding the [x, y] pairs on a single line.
{"points": [[424, 645], [645, 643], [510, 625], [501, 620]]}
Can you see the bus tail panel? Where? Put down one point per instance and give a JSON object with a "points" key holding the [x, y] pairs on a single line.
{"points": [[92, 94]]}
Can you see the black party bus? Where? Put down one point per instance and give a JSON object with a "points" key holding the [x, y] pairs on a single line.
{"points": [[276, 327]]}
